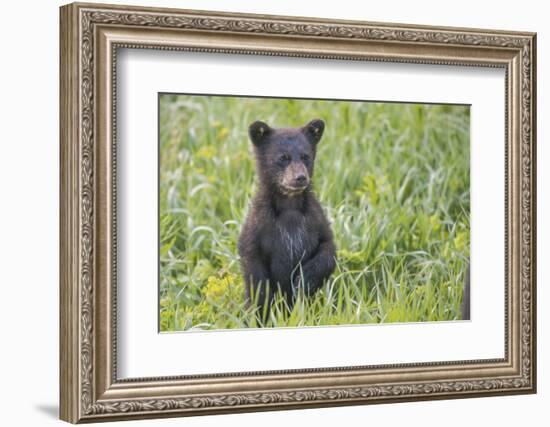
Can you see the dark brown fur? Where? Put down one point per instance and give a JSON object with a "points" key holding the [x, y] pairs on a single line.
{"points": [[286, 242]]}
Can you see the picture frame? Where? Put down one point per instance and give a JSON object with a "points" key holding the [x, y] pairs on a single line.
{"points": [[90, 38]]}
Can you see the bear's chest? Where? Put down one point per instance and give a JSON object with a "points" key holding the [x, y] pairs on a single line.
{"points": [[293, 239]]}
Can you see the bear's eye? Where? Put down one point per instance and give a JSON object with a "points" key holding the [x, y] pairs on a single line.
{"points": [[305, 157], [284, 158]]}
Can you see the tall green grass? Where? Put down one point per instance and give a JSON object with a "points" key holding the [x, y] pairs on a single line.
{"points": [[394, 180]]}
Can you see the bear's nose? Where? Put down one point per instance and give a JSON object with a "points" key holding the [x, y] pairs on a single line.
{"points": [[301, 179]]}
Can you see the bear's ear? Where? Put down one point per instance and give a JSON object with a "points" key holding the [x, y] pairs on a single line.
{"points": [[314, 130], [258, 131]]}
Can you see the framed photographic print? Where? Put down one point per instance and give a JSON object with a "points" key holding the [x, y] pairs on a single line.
{"points": [[266, 212]]}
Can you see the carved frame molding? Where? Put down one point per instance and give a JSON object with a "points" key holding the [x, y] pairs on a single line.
{"points": [[90, 37]]}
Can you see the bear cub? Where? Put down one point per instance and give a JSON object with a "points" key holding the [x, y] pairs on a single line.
{"points": [[286, 242]]}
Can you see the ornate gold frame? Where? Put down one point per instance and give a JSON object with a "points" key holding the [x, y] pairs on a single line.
{"points": [[90, 36]]}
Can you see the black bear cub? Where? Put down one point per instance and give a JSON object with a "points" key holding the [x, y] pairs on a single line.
{"points": [[286, 242]]}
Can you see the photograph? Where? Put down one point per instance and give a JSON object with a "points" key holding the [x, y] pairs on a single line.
{"points": [[261, 211], [288, 212]]}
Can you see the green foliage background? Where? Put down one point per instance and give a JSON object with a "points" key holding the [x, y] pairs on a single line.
{"points": [[394, 180]]}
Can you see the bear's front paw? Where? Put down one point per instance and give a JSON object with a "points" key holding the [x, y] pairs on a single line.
{"points": [[297, 282], [302, 280]]}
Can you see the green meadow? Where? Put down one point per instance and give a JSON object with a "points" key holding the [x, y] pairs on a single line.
{"points": [[394, 180]]}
